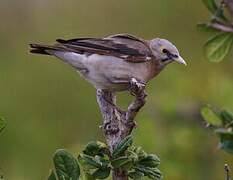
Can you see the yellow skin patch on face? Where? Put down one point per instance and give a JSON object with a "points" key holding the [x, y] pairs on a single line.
{"points": [[162, 48]]}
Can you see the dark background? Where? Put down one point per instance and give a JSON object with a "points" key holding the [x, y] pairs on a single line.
{"points": [[48, 106]]}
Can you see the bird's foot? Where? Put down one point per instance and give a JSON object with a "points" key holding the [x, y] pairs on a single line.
{"points": [[136, 87]]}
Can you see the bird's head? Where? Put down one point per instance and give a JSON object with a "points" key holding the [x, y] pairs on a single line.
{"points": [[165, 52]]}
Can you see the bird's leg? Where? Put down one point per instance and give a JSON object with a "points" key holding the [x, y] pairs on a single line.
{"points": [[136, 87], [138, 90]]}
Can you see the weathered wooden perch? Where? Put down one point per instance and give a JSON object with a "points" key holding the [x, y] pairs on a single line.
{"points": [[117, 124]]}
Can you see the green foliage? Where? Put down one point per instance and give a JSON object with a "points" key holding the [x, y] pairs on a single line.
{"points": [[122, 146], [210, 116], [136, 161], [222, 122], [214, 9], [211, 5], [226, 139], [95, 148], [101, 173], [226, 118], [150, 160], [218, 46], [143, 164], [97, 162], [2, 124], [52, 176], [90, 164], [66, 166]]}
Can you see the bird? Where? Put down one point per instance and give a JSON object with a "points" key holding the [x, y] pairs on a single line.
{"points": [[114, 62]]}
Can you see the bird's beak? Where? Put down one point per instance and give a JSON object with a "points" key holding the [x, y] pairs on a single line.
{"points": [[180, 60]]}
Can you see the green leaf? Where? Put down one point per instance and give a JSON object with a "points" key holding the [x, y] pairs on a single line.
{"points": [[101, 173], [226, 139], [218, 46], [89, 162], [124, 162], [88, 176], [152, 173], [132, 155], [96, 167], [225, 134], [226, 146], [219, 14], [122, 146], [227, 117], [119, 162], [214, 9], [150, 161], [66, 166], [140, 152], [210, 116], [95, 148], [52, 176], [2, 124], [135, 175], [211, 5], [102, 160]]}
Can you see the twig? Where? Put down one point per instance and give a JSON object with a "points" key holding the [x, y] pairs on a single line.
{"points": [[221, 27], [227, 170]]}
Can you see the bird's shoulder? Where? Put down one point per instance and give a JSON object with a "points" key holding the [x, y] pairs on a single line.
{"points": [[124, 46]]}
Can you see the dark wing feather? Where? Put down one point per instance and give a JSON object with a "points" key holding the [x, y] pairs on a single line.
{"points": [[126, 47], [44, 49]]}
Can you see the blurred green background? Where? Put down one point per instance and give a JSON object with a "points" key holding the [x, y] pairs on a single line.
{"points": [[48, 106]]}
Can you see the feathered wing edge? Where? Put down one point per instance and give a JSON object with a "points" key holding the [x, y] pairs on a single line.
{"points": [[115, 45]]}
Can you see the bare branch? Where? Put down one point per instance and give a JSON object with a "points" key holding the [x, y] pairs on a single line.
{"points": [[117, 124], [221, 27], [227, 170], [136, 105]]}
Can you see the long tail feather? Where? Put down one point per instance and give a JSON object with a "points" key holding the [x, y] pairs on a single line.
{"points": [[44, 49]]}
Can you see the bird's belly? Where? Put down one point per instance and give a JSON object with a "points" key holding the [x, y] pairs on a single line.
{"points": [[112, 73], [100, 81]]}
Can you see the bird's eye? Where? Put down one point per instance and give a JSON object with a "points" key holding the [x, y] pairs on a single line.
{"points": [[165, 51]]}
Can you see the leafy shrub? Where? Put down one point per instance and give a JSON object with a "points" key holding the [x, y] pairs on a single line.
{"points": [[222, 123], [219, 44], [97, 162]]}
